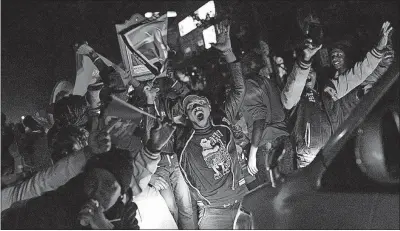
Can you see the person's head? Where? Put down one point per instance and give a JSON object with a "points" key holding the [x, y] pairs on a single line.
{"points": [[251, 63], [108, 177], [71, 110], [66, 141], [339, 56], [311, 79], [197, 110], [182, 76]]}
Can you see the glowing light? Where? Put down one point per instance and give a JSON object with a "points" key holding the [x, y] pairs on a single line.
{"points": [[148, 15], [171, 14], [22, 117]]}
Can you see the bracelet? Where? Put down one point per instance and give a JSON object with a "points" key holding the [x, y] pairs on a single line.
{"points": [[98, 57]]}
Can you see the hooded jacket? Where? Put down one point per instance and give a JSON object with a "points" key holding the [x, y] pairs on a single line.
{"points": [[229, 111], [220, 118]]}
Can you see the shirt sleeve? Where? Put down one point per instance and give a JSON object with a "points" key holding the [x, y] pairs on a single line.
{"points": [[235, 97], [44, 181], [254, 104], [356, 75], [294, 86], [145, 165]]}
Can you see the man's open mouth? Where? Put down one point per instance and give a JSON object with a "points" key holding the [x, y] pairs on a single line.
{"points": [[199, 114]]}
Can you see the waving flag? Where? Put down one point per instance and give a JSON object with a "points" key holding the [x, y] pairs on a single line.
{"points": [[147, 43], [87, 73]]}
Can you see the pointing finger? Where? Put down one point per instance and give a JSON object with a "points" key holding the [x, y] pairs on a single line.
{"points": [[388, 30], [112, 125]]}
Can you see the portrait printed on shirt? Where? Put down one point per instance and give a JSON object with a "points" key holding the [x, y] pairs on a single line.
{"points": [[216, 155]]}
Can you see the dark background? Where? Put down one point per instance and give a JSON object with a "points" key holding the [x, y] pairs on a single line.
{"points": [[37, 39], [37, 36]]}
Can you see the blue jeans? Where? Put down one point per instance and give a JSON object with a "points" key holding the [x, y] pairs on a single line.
{"points": [[177, 196], [217, 217]]}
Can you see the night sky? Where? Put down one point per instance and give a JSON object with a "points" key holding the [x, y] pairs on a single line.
{"points": [[37, 38]]}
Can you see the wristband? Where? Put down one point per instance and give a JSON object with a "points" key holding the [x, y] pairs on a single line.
{"points": [[96, 59]]}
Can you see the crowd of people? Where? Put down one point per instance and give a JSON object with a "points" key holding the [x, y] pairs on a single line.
{"points": [[218, 130]]}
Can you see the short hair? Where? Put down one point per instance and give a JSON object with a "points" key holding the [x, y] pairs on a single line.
{"points": [[62, 140], [118, 162], [71, 110], [251, 57]]}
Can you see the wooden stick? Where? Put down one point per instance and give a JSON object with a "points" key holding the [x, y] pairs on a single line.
{"points": [[133, 107]]}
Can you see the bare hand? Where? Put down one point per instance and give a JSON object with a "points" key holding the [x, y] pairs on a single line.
{"points": [[84, 49], [92, 213], [387, 58], [223, 37], [159, 183], [310, 50], [385, 31], [160, 135], [99, 138], [252, 165], [128, 220], [151, 94]]}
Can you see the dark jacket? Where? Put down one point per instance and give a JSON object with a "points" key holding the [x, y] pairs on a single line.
{"points": [[184, 133], [311, 127], [262, 101], [316, 122]]}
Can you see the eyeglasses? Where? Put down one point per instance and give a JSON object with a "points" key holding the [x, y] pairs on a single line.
{"points": [[191, 105]]}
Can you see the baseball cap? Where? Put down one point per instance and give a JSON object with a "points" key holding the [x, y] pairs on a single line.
{"points": [[188, 99]]}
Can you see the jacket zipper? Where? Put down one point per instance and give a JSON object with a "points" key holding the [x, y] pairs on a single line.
{"points": [[184, 173], [229, 143]]}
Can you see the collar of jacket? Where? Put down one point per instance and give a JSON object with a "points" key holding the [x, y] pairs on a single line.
{"points": [[182, 152]]}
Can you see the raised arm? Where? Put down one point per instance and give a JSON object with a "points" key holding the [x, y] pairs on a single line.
{"points": [[58, 174], [235, 97], [353, 77], [146, 160], [296, 81], [45, 180], [108, 74], [380, 69]]}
